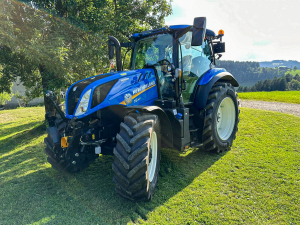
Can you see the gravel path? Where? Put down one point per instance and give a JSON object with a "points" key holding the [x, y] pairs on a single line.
{"points": [[293, 109]]}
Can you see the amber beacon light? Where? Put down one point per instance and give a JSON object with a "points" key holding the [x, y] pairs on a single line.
{"points": [[221, 32]]}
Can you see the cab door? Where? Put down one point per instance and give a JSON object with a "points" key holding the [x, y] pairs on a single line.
{"points": [[196, 62]]}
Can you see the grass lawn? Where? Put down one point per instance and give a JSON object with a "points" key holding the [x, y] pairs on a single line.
{"points": [[257, 182], [273, 96]]}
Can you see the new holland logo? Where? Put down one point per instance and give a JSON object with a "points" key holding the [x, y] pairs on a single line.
{"points": [[128, 98], [143, 87]]}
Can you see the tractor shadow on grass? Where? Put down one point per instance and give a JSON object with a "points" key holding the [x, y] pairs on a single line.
{"points": [[28, 192], [22, 134], [94, 187], [18, 149], [5, 124]]}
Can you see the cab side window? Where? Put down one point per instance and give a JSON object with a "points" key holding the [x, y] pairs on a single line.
{"points": [[196, 62]]}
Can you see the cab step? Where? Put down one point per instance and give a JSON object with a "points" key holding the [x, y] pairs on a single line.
{"points": [[194, 130], [196, 145]]}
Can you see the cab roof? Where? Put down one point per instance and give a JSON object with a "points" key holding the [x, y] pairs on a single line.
{"points": [[162, 30]]}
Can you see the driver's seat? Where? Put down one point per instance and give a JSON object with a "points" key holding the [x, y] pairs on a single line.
{"points": [[196, 62]]}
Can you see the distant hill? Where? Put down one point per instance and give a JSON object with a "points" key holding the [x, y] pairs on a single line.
{"points": [[277, 63], [248, 73]]}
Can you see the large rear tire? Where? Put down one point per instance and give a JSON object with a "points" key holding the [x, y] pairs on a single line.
{"points": [[222, 118], [137, 156], [61, 160]]}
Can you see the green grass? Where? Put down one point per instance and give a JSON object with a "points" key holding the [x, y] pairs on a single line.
{"points": [[273, 96], [293, 72], [257, 182]]}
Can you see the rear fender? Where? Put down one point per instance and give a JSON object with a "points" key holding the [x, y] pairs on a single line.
{"points": [[203, 88], [165, 124]]}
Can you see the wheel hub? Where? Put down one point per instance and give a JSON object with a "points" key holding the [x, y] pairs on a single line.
{"points": [[152, 156], [225, 118]]}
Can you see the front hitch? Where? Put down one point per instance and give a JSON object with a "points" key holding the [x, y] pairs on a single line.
{"points": [[50, 95]]}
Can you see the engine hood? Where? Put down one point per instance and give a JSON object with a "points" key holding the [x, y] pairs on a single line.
{"points": [[113, 86]]}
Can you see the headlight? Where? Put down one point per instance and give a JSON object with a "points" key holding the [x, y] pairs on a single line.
{"points": [[83, 104]]}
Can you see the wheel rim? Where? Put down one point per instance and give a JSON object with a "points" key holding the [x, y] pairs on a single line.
{"points": [[225, 118], [152, 156]]}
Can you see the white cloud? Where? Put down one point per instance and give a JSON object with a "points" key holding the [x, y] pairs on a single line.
{"points": [[256, 30]]}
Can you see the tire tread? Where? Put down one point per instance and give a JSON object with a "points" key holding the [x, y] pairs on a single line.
{"points": [[209, 142], [131, 156]]}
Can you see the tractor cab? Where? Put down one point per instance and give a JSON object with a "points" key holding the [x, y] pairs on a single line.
{"points": [[180, 56]]}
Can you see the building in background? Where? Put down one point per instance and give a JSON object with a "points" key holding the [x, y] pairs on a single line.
{"points": [[15, 102]]}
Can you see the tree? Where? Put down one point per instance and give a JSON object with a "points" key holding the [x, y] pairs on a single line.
{"points": [[246, 89], [288, 77], [253, 89], [66, 42], [294, 85], [296, 77], [44, 52], [295, 68], [267, 85], [258, 85], [4, 96], [23, 98], [274, 84], [240, 89], [283, 84], [249, 71]]}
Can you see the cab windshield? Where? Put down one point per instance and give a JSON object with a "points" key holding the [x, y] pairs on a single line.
{"points": [[158, 52], [150, 50]]}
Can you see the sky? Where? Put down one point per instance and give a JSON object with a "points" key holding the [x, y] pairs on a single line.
{"points": [[255, 30]]}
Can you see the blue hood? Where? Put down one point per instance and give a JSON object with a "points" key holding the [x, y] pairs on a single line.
{"points": [[116, 85]]}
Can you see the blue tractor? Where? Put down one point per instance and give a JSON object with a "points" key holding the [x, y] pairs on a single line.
{"points": [[173, 96]]}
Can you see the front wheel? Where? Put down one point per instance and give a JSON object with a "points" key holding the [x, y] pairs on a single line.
{"points": [[137, 156], [222, 118]]}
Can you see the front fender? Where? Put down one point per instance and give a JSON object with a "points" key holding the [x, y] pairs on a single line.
{"points": [[165, 124], [206, 83]]}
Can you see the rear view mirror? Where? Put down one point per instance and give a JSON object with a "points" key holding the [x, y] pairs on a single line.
{"points": [[199, 30], [219, 47]]}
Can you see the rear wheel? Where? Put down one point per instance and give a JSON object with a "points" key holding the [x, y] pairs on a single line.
{"points": [[222, 118], [137, 157]]}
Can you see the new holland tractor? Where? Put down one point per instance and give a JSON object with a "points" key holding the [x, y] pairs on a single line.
{"points": [[173, 96]]}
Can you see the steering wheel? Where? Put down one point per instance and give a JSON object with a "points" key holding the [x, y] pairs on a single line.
{"points": [[161, 63], [163, 60]]}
